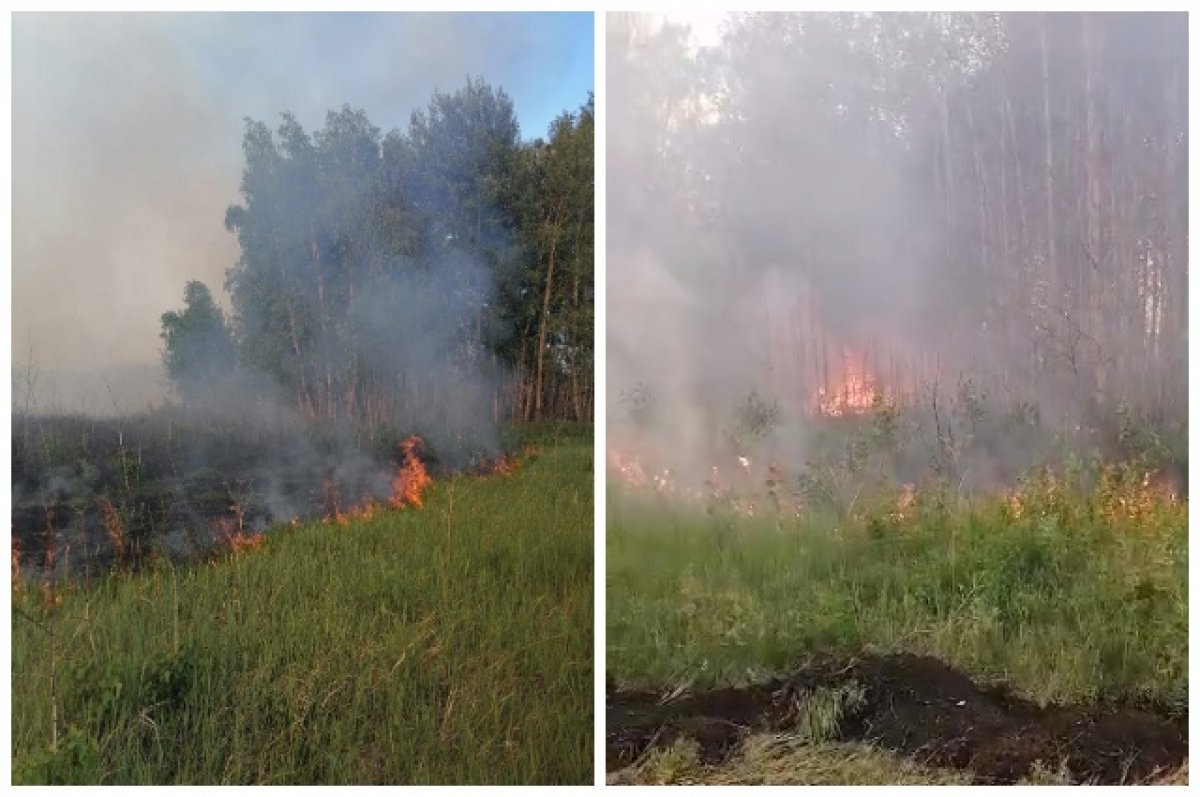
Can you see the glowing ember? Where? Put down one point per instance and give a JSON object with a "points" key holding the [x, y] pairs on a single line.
{"points": [[411, 480], [112, 525], [1163, 484], [16, 563], [628, 470], [506, 465], [746, 490], [906, 500]]}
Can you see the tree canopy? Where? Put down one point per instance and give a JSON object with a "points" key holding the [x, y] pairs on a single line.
{"points": [[198, 349], [437, 275]]}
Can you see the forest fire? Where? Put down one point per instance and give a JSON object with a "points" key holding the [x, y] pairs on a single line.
{"points": [[412, 479], [627, 469], [112, 525], [408, 486], [231, 531], [505, 465], [854, 393], [16, 561], [410, 483], [238, 541], [737, 488]]}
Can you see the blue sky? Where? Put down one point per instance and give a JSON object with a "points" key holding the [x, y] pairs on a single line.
{"points": [[127, 136], [387, 63]]}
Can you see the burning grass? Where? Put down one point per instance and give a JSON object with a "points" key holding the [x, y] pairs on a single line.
{"points": [[411, 480], [409, 485], [447, 645]]}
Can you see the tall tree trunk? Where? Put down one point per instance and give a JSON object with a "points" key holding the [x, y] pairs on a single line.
{"points": [[543, 326], [1048, 140], [305, 398]]}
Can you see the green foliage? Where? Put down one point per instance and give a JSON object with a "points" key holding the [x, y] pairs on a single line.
{"points": [[754, 419], [75, 761], [552, 297], [372, 265], [198, 346], [1075, 594]]}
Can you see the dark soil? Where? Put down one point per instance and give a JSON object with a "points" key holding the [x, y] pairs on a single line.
{"points": [[918, 707]]}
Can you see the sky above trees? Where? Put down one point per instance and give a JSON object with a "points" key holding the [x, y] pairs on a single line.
{"points": [[127, 135]]}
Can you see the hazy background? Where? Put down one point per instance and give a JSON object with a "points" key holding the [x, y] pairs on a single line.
{"points": [[127, 133], [972, 205]]}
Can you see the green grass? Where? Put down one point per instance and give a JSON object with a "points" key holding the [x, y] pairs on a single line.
{"points": [[450, 644], [1074, 600]]}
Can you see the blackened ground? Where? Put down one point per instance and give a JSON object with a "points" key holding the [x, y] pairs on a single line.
{"points": [[916, 706], [176, 485]]}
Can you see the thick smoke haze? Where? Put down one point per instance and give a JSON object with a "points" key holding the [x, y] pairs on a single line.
{"points": [[272, 268], [127, 136], [927, 202]]}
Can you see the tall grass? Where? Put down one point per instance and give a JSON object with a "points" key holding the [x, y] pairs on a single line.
{"points": [[1074, 594], [450, 644]]}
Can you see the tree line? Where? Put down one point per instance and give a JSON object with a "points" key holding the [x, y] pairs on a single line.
{"points": [[381, 274], [1003, 195]]}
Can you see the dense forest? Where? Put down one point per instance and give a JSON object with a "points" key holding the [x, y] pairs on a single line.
{"points": [[436, 276], [900, 204]]}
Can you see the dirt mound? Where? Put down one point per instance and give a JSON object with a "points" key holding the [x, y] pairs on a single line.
{"points": [[916, 706]]}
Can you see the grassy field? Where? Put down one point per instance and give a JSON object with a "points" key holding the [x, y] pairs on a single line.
{"points": [[448, 644], [1076, 595], [1071, 594]]}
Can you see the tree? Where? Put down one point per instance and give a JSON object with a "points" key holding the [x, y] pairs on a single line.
{"points": [[997, 195], [198, 352], [552, 302], [383, 279]]}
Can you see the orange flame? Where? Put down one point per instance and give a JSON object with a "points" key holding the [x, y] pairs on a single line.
{"points": [[412, 479], [507, 464], [232, 534], [363, 511], [16, 563], [112, 524], [855, 392]]}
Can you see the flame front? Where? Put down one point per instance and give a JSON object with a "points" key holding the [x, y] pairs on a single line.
{"points": [[412, 479], [854, 393]]}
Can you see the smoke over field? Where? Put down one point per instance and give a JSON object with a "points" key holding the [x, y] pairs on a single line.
{"points": [[354, 287], [897, 373]]}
